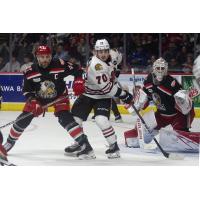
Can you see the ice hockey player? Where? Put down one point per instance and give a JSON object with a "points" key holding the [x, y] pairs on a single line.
{"points": [[116, 59], [100, 87], [174, 106], [43, 84], [3, 153]]}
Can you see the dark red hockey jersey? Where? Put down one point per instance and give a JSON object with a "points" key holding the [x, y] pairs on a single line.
{"points": [[47, 84], [162, 94]]}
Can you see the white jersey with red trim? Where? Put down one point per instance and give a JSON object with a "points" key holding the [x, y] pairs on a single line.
{"points": [[100, 79]]}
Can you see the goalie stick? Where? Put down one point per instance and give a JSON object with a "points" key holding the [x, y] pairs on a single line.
{"points": [[29, 114], [166, 154]]}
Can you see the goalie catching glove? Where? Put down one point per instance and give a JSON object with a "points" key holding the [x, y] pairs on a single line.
{"points": [[183, 102]]}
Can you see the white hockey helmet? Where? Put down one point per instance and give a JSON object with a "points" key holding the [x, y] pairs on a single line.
{"points": [[160, 69], [116, 57], [101, 45]]}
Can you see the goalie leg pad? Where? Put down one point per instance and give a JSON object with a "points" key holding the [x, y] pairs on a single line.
{"points": [[131, 139]]}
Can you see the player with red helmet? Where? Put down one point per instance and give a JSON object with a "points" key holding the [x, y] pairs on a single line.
{"points": [[44, 83]]}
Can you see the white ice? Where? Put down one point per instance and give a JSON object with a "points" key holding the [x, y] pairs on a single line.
{"points": [[43, 143]]}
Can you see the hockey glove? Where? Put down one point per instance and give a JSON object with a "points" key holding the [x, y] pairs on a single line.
{"points": [[125, 96], [34, 106], [79, 86]]}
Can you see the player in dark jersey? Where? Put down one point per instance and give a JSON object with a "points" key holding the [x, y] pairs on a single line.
{"points": [[43, 84], [3, 153], [174, 106]]}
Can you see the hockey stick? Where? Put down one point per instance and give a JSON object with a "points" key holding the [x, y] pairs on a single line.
{"points": [[30, 113], [166, 154], [6, 163], [133, 78]]}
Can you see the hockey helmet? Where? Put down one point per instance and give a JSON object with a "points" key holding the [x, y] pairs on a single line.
{"points": [[43, 55], [41, 50], [102, 45], [160, 69]]}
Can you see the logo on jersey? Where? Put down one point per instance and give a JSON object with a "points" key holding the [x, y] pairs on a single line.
{"points": [[150, 90], [157, 101], [47, 90], [98, 67]]}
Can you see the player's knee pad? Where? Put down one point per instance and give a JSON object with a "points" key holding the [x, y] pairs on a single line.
{"points": [[102, 122], [65, 118]]}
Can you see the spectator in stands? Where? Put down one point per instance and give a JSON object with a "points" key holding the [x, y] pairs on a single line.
{"points": [[82, 48], [60, 53], [173, 65], [187, 66], [139, 57], [150, 62], [171, 52], [182, 55], [14, 66], [2, 63], [28, 61]]}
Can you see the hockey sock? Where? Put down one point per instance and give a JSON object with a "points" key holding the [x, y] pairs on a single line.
{"points": [[109, 135], [74, 130], [15, 132]]}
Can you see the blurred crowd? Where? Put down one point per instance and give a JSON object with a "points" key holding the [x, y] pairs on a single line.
{"points": [[139, 50]]}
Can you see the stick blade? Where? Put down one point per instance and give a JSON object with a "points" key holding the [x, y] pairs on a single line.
{"points": [[174, 156]]}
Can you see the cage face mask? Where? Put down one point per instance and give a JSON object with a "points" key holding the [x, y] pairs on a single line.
{"points": [[160, 69]]}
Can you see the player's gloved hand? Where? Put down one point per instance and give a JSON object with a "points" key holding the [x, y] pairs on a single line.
{"points": [[126, 97], [35, 107], [79, 86]]}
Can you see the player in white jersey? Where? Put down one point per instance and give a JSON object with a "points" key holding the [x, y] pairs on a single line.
{"points": [[100, 87], [116, 59]]}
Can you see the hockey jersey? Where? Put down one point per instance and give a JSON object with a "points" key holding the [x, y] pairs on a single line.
{"points": [[100, 79], [47, 84], [163, 94]]}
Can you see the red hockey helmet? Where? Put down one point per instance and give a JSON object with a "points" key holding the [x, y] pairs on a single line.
{"points": [[43, 49], [43, 55]]}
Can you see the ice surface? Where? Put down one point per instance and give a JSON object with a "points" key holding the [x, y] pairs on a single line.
{"points": [[44, 141]]}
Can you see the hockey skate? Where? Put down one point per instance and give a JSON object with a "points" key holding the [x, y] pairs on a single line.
{"points": [[72, 150], [9, 144], [86, 152], [82, 150], [113, 151]]}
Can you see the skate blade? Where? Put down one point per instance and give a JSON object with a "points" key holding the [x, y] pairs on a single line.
{"points": [[113, 155], [88, 156], [74, 154], [118, 121]]}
